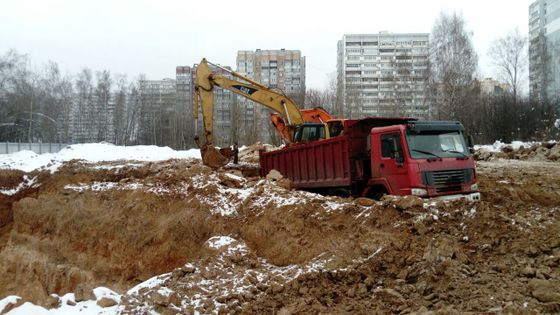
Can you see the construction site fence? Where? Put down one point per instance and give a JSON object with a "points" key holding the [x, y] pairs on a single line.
{"points": [[11, 147]]}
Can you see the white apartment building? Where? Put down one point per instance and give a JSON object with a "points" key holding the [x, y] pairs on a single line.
{"points": [[383, 74], [544, 49], [184, 85], [158, 99]]}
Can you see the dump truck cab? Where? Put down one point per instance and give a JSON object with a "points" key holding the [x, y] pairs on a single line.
{"points": [[423, 158]]}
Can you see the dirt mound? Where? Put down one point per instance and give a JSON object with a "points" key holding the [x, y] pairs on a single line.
{"points": [[545, 151], [230, 242]]}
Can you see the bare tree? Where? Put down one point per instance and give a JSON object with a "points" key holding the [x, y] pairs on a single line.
{"points": [[314, 98], [103, 111], [132, 112], [509, 55], [453, 65], [54, 102], [83, 109], [330, 101], [14, 96], [119, 114], [324, 98], [338, 109]]}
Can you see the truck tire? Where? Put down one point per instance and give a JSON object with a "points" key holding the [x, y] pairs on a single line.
{"points": [[376, 192]]}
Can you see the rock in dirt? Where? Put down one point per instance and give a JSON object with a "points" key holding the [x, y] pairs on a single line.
{"points": [[10, 306], [106, 302], [554, 153], [528, 272], [83, 293], [389, 293], [53, 301], [545, 290], [408, 202], [366, 202], [285, 183], [274, 175], [188, 268]]}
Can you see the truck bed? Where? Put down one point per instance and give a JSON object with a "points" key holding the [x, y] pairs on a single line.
{"points": [[324, 163]]}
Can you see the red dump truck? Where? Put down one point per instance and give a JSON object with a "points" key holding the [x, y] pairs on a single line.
{"points": [[374, 156]]}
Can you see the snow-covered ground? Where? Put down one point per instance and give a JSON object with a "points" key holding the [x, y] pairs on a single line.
{"points": [[28, 161], [498, 145], [68, 305]]}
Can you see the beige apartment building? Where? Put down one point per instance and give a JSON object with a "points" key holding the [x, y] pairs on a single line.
{"points": [[281, 69]]}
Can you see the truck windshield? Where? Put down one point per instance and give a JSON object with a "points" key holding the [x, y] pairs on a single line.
{"points": [[428, 144]]}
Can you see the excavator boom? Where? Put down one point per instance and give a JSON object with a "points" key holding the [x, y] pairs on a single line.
{"points": [[285, 117]]}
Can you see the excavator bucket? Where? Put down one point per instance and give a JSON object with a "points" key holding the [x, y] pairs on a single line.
{"points": [[211, 156]]}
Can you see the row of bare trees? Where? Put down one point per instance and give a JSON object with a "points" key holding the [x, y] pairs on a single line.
{"points": [[33, 105], [44, 105], [458, 95]]}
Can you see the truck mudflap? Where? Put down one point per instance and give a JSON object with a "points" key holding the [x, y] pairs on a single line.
{"points": [[471, 197]]}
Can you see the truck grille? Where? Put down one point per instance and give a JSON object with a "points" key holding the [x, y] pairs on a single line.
{"points": [[448, 188], [448, 178]]}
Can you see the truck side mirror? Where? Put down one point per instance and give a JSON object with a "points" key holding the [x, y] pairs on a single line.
{"points": [[470, 143], [396, 153], [297, 134], [398, 158]]}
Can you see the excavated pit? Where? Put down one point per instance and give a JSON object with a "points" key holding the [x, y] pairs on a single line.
{"points": [[229, 241]]}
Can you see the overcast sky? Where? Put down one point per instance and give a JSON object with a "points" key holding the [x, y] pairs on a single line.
{"points": [[152, 37]]}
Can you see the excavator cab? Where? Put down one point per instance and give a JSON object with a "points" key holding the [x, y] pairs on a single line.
{"points": [[309, 132], [335, 127]]}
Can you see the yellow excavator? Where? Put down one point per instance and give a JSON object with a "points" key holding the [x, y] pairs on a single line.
{"points": [[288, 119]]}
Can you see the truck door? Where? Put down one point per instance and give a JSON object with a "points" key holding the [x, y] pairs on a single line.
{"points": [[391, 164]]}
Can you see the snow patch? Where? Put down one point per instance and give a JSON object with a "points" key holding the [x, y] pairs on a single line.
{"points": [[28, 161], [102, 292], [10, 299], [27, 182], [218, 242], [150, 283]]}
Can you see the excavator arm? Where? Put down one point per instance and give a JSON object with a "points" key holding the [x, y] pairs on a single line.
{"points": [[285, 117]]}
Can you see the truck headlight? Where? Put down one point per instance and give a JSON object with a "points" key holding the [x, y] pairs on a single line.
{"points": [[419, 192], [474, 187]]}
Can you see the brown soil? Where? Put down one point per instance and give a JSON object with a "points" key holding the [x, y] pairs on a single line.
{"points": [[117, 224]]}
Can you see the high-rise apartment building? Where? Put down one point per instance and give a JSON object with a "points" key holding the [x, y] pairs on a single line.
{"points": [[544, 49], [91, 118], [383, 74], [184, 76], [282, 69], [158, 100]]}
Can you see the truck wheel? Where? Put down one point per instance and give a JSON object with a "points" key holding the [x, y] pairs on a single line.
{"points": [[376, 192], [340, 192]]}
